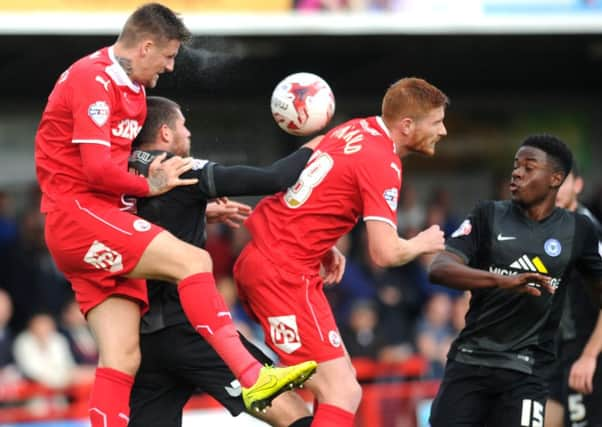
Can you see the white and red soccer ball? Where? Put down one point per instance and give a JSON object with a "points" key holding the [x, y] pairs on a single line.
{"points": [[302, 104]]}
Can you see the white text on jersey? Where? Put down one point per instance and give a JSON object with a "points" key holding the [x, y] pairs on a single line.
{"points": [[127, 128]]}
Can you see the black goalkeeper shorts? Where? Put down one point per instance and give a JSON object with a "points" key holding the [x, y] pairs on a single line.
{"points": [[177, 362], [479, 396], [580, 410]]}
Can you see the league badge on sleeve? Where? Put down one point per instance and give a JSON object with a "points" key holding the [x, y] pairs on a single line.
{"points": [[391, 195], [463, 230], [99, 112]]}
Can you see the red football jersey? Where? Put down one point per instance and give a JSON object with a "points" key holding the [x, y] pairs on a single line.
{"points": [[354, 172], [93, 102]]}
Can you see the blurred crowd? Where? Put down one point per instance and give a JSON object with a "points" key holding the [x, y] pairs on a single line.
{"points": [[406, 6], [384, 315]]}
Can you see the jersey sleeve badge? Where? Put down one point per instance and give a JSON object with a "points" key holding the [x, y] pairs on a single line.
{"points": [[99, 112], [391, 195], [463, 230]]}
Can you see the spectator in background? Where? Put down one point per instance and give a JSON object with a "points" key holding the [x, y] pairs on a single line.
{"points": [[355, 284], [361, 334], [42, 353], [595, 202], [434, 333], [399, 298], [30, 274], [8, 372], [411, 214], [75, 328], [6, 336], [320, 5], [8, 225], [440, 211]]}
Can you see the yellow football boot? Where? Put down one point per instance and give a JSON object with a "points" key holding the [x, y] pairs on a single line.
{"points": [[273, 381]]}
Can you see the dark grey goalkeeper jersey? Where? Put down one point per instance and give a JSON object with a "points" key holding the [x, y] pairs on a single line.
{"points": [[517, 331], [182, 212]]}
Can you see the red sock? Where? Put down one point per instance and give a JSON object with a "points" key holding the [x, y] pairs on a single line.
{"points": [[329, 415], [209, 315], [110, 398]]}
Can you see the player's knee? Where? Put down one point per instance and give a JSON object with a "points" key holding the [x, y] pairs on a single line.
{"points": [[355, 395], [350, 392], [126, 359], [193, 261], [345, 393]]}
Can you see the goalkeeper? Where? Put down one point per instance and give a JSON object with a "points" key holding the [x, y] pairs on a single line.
{"points": [[167, 379]]}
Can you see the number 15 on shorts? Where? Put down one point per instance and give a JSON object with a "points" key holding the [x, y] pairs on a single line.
{"points": [[531, 414]]}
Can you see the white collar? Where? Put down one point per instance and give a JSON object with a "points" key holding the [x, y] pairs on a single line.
{"points": [[118, 74], [383, 126]]}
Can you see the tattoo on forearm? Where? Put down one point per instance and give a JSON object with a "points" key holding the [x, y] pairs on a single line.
{"points": [[125, 63], [157, 181]]}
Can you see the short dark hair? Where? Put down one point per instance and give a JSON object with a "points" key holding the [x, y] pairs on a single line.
{"points": [[555, 148], [159, 111], [156, 21]]}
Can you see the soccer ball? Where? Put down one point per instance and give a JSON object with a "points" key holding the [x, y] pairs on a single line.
{"points": [[302, 104]]}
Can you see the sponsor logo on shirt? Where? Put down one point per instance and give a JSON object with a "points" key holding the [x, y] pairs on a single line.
{"points": [[127, 128], [103, 258], [99, 112], [391, 196], [396, 169], [284, 333], [463, 230], [104, 82], [524, 263]]}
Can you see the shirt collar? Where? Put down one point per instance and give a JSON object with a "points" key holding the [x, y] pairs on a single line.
{"points": [[383, 126], [118, 74]]}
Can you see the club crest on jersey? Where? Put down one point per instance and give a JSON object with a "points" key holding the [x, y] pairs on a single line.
{"points": [[552, 247], [99, 112], [391, 195], [284, 333], [334, 338], [463, 230], [141, 225]]}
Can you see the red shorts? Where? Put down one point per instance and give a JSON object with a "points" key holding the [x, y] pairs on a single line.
{"points": [[291, 308], [94, 245]]}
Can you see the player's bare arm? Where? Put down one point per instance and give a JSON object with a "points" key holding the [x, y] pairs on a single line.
{"points": [[163, 175], [582, 372], [449, 269], [387, 249]]}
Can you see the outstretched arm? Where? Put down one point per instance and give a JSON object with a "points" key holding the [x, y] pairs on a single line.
{"points": [[449, 269], [257, 181], [387, 249], [582, 371]]}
